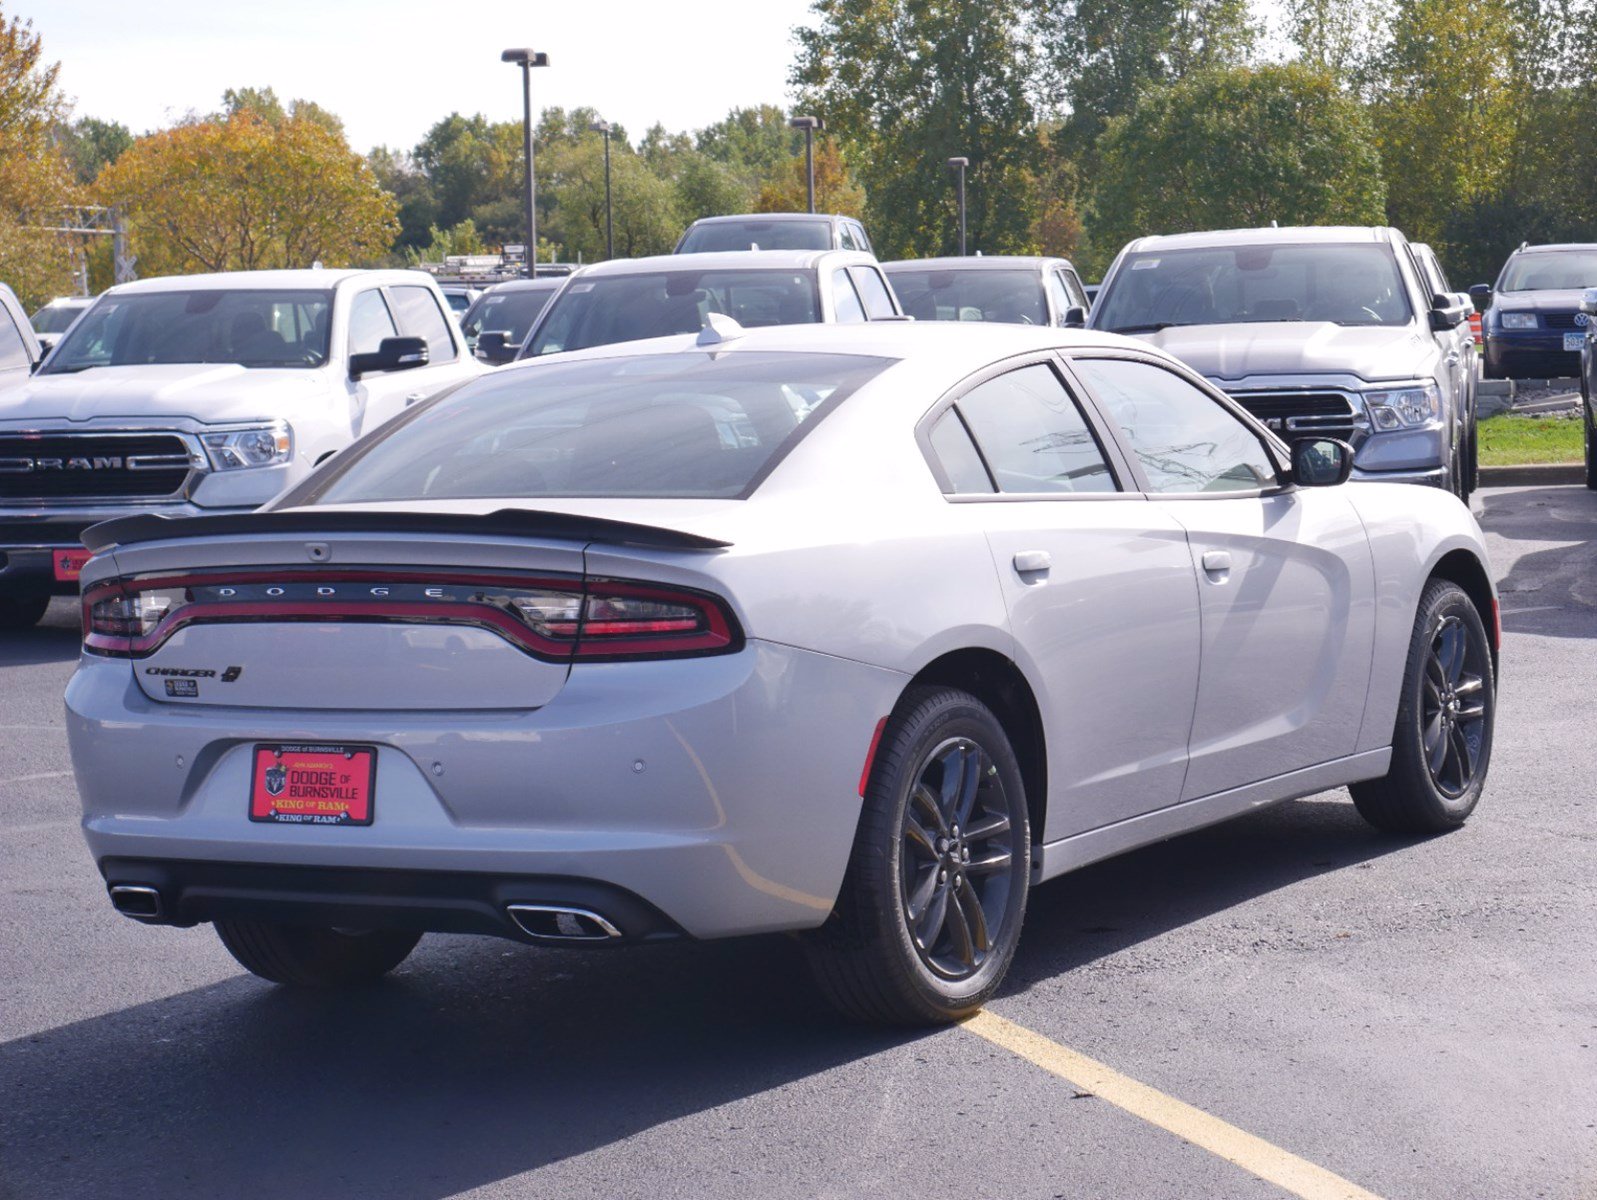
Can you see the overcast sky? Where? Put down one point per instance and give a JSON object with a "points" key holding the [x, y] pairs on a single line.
{"points": [[391, 68]]}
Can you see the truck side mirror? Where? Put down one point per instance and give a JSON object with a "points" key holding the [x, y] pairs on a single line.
{"points": [[1447, 313], [1074, 318], [392, 354]]}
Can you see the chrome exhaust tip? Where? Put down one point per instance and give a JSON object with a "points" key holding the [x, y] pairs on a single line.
{"points": [[558, 923], [137, 901]]}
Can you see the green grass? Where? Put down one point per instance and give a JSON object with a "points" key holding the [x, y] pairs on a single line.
{"points": [[1508, 441]]}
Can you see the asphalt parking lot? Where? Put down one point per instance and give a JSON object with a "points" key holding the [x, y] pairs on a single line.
{"points": [[1413, 1018]]}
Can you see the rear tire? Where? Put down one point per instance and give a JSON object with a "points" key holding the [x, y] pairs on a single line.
{"points": [[1442, 742], [22, 612], [1591, 449], [315, 956], [929, 914]]}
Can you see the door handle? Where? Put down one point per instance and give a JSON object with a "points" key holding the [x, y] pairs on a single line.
{"points": [[1216, 562], [1029, 562]]}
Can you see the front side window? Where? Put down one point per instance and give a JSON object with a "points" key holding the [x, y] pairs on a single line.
{"points": [[1350, 284], [974, 294], [13, 350], [420, 316], [1550, 270], [369, 323], [872, 290], [846, 306], [1033, 436], [206, 325], [677, 425], [626, 308], [1184, 439]]}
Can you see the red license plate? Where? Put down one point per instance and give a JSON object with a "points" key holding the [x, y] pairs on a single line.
{"points": [[313, 784], [69, 564]]}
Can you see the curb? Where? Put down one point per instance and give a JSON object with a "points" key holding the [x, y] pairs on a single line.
{"points": [[1532, 475]]}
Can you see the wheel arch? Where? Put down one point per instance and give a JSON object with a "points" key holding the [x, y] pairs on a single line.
{"points": [[997, 682], [1465, 569]]}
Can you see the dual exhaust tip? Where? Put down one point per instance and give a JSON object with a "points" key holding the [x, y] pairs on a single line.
{"points": [[542, 922]]}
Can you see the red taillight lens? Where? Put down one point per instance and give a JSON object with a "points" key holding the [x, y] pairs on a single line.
{"points": [[117, 618], [634, 620]]}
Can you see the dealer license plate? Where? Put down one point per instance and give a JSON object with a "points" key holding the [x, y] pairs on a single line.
{"points": [[1574, 341], [68, 564], [313, 784]]}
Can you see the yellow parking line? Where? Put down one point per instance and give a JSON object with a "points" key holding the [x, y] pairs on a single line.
{"points": [[1270, 1163]]}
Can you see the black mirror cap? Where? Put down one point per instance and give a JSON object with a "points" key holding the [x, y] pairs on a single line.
{"points": [[392, 354], [1481, 293], [1321, 462], [1074, 318], [1588, 301], [495, 348]]}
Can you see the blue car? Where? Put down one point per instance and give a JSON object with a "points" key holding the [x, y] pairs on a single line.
{"points": [[1532, 326]]}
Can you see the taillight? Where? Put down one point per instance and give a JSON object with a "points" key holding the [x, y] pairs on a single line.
{"points": [[553, 618]]}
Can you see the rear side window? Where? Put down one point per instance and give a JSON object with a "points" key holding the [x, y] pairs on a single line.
{"points": [[878, 300], [845, 300], [420, 316], [958, 457], [677, 425], [1033, 436], [369, 323], [1185, 441]]}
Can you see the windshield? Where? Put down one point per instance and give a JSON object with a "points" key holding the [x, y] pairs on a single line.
{"points": [[56, 318], [1015, 297], [677, 425], [625, 308], [509, 312], [757, 235], [458, 302], [250, 328], [1226, 285], [1550, 270]]}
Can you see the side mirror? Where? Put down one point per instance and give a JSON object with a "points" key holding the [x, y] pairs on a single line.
{"points": [[495, 348], [1447, 313], [1074, 318], [1481, 293], [1588, 301], [1321, 462], [392, 354]]}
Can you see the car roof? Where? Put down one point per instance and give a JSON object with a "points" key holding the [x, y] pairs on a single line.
{"points": [[729, 218], [726, 260], [1555, 247], [979, 262], [1284, 235], [311, 279], [542, 283]]}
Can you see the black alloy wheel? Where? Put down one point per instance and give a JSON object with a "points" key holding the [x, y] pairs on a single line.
{"points": [[1453, 708]]}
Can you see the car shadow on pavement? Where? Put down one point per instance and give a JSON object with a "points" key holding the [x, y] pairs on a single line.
{"points": [[1551, 592], [41, 644], [480, 1060]]}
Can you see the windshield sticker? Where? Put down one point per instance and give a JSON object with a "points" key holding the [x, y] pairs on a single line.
{"points": [[581, 287], [1145, 264]]}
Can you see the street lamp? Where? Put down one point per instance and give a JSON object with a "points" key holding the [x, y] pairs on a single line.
{"points": [[609, 228], [809, 125], [526, 60], [959, 164]]}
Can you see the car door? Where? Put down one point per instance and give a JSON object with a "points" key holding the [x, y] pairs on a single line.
{"points": [[1285, 578], [1100, 589]]}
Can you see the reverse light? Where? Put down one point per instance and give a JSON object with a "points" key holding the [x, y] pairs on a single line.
{"points": [[1404, 408], [258, 446], [1517, 320]]}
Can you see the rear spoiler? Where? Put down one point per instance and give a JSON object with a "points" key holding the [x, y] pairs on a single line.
{"points": [[510, 522]]}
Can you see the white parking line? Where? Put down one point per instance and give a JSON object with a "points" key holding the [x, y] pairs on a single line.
{"points": [[40, 775], [1270, 1163]]}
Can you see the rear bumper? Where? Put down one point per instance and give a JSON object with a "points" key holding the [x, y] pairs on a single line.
{"points": [[722, 792]]}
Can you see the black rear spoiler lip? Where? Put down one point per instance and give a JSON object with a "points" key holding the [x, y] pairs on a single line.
{"points": [[508, 522]]}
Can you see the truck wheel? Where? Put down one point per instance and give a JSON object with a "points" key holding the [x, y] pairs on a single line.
{"points": [[22, 612], [1591, 451], [1442, 743], [930, 910], [314, 956]]}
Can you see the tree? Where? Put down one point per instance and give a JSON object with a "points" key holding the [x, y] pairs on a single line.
{"points": [[35, 177], [399, 175], [906, 84], [1295, 149], [753, 143], [474, 170], [90, 144], [571, 175], [787, 189], [1342, 38], [243, 193]]}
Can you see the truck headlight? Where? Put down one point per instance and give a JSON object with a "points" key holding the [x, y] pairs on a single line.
{"points": [[1518, 320], [1404, 408], [257, 446]]}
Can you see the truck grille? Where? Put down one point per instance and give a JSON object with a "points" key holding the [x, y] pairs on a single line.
{"points": [[1301, 414], [92, 466]]}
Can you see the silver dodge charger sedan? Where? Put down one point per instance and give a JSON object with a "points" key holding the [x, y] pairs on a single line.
{"points": [[857, 632]]}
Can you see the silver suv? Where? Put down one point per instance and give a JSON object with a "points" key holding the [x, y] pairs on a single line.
{"points": [[1319, 332]]}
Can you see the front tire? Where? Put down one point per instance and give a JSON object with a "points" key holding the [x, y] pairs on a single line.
{"points": [[315, 956], [1442, 743], [930, 910], [1591, 449], [22, 612]]}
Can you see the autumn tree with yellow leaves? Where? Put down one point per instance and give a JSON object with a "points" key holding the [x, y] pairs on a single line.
{"points": [[35, 179]]}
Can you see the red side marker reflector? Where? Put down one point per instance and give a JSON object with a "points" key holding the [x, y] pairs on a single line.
{"points": [[870, 756]]}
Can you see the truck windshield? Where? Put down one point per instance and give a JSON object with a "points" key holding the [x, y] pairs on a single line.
{"points": [[1355, 284], [757, 235], [510, 312], [1550, 270], [210, 325], [983, 294], [625, 308], [57, 318]]}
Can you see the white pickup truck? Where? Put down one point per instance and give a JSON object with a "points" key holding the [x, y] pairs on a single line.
{"points": [[204, 394]]}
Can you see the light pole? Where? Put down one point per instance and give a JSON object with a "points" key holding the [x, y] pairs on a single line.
{"points": [[959, 164], [526, 60], [809, 125], [609, 227]]}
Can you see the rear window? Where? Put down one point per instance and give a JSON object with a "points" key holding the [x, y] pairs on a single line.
{"points": [[56, 318], [679, 425], [628, 308], [757, 235], [1011, 297]]}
